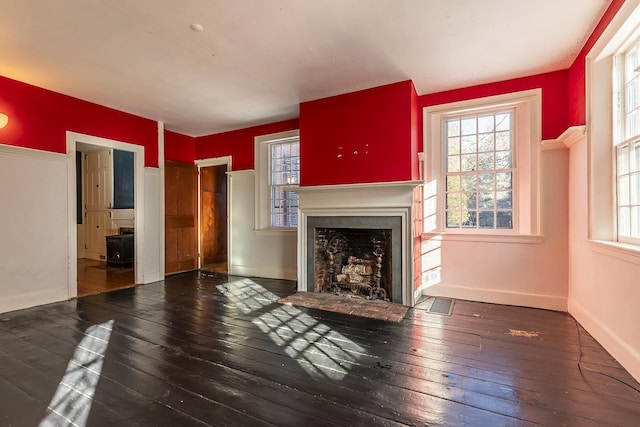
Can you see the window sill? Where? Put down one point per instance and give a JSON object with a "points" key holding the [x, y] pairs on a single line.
{"points": [[276, 231], [485, 238], [622, 251]]}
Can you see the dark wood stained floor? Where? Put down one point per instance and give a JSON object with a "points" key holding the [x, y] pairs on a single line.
{"points": [[207, 349]]}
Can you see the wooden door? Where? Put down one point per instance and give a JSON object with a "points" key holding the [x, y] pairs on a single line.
{"points": [[96, 180], [180, 217], [213, 214]]}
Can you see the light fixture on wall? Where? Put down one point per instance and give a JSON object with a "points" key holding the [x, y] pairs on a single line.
{"points": [[4, 119]]}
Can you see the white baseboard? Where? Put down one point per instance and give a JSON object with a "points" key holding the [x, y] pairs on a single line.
{"points": [[547, 302], [267, 272], [32, 299], [626, 355]]}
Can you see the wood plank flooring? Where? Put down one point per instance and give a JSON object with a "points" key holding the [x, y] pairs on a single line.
{"points": [[210, 349], [94, 277]]}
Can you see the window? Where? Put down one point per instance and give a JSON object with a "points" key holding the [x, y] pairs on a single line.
{"points": [[277, 176], [481, 173], [626, 149], [284, 162], [479, 170]]}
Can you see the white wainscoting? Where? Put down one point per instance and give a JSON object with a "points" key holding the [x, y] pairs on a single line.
{"points": [[259, 253], [34, 228]]}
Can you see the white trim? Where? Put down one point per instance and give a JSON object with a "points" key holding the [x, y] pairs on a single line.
{"points": [[138, 150], [162, 230], [251, 271], [547, 302], [205, 163], [527, 199], [567, 139], [624, 353], [485, 238], [31, 153], [622, 251], [33, 299]]}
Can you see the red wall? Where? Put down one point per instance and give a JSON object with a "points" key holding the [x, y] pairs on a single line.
{"points": [[358, 137], [554, 97], [238, 143], [39, 119], [179, 148], [577, 77]]}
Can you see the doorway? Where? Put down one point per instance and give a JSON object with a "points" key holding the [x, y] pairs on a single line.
{"points": [[95, 216], [213, 225]]}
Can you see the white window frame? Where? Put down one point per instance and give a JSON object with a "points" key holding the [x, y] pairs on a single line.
{"points": [[262, 176], [605, 127], [621, 139], [526, 106]]}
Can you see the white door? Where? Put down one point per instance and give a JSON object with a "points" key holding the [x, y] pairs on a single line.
{"points": [[97, 195]]}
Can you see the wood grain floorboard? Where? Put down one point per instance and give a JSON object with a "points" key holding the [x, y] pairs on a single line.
{"points": [[211, 349]]}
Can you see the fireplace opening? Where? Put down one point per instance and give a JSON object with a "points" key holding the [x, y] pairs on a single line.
{"points": [[354, 262]]}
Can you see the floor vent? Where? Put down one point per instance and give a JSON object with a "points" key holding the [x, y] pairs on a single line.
{"points": [[441, 306]]}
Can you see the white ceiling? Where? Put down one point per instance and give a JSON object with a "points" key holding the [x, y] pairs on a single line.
{"points": [[256, 60]]}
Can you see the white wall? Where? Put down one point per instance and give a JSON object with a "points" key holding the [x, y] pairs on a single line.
{"points": [[34, 227], [518, 270], [604, 283], [256, 253], [153, 223]]}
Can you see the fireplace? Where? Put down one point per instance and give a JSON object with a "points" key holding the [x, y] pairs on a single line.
{"points": [[357, 240], [357, 256]]}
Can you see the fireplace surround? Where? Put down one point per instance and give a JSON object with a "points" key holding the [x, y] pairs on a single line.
{"points": [[373, 207]]}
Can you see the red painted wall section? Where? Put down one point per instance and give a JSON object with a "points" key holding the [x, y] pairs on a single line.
{"points": [[358, 137], [39, 119], [554, 97], [577, 74], [179, 148], [239, 144]]}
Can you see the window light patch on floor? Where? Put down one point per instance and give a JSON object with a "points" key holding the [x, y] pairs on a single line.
{"points": [[319, 350], [71, 403]]}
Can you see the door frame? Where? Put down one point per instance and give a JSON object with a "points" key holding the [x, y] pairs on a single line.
{"points": [[215, 161], [138, 160]]}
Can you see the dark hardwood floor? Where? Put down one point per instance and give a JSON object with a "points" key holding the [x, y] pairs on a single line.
{"points": [[208, 349]]}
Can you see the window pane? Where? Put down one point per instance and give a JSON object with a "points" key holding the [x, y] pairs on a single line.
{"points": [[486, 181], [485, 142], [469, 182], [486, 162], [468, 126], [503, 141], [453, 183], [454, 219], [453, 127], [486, 219], [469, 163], [453, 146], [503, 121], [485, 200], [469, 200], [503, 160], [453, 164], [634, 190], [485, 124], [635, 157], [469, 144], [623, 160], [624, 222], [503, 181], [635, 222], [623, 190], [470, 219], [504, 219], [504, 200]]}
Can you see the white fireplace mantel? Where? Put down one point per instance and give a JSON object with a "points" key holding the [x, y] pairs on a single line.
{"points": [[394, 199]]}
